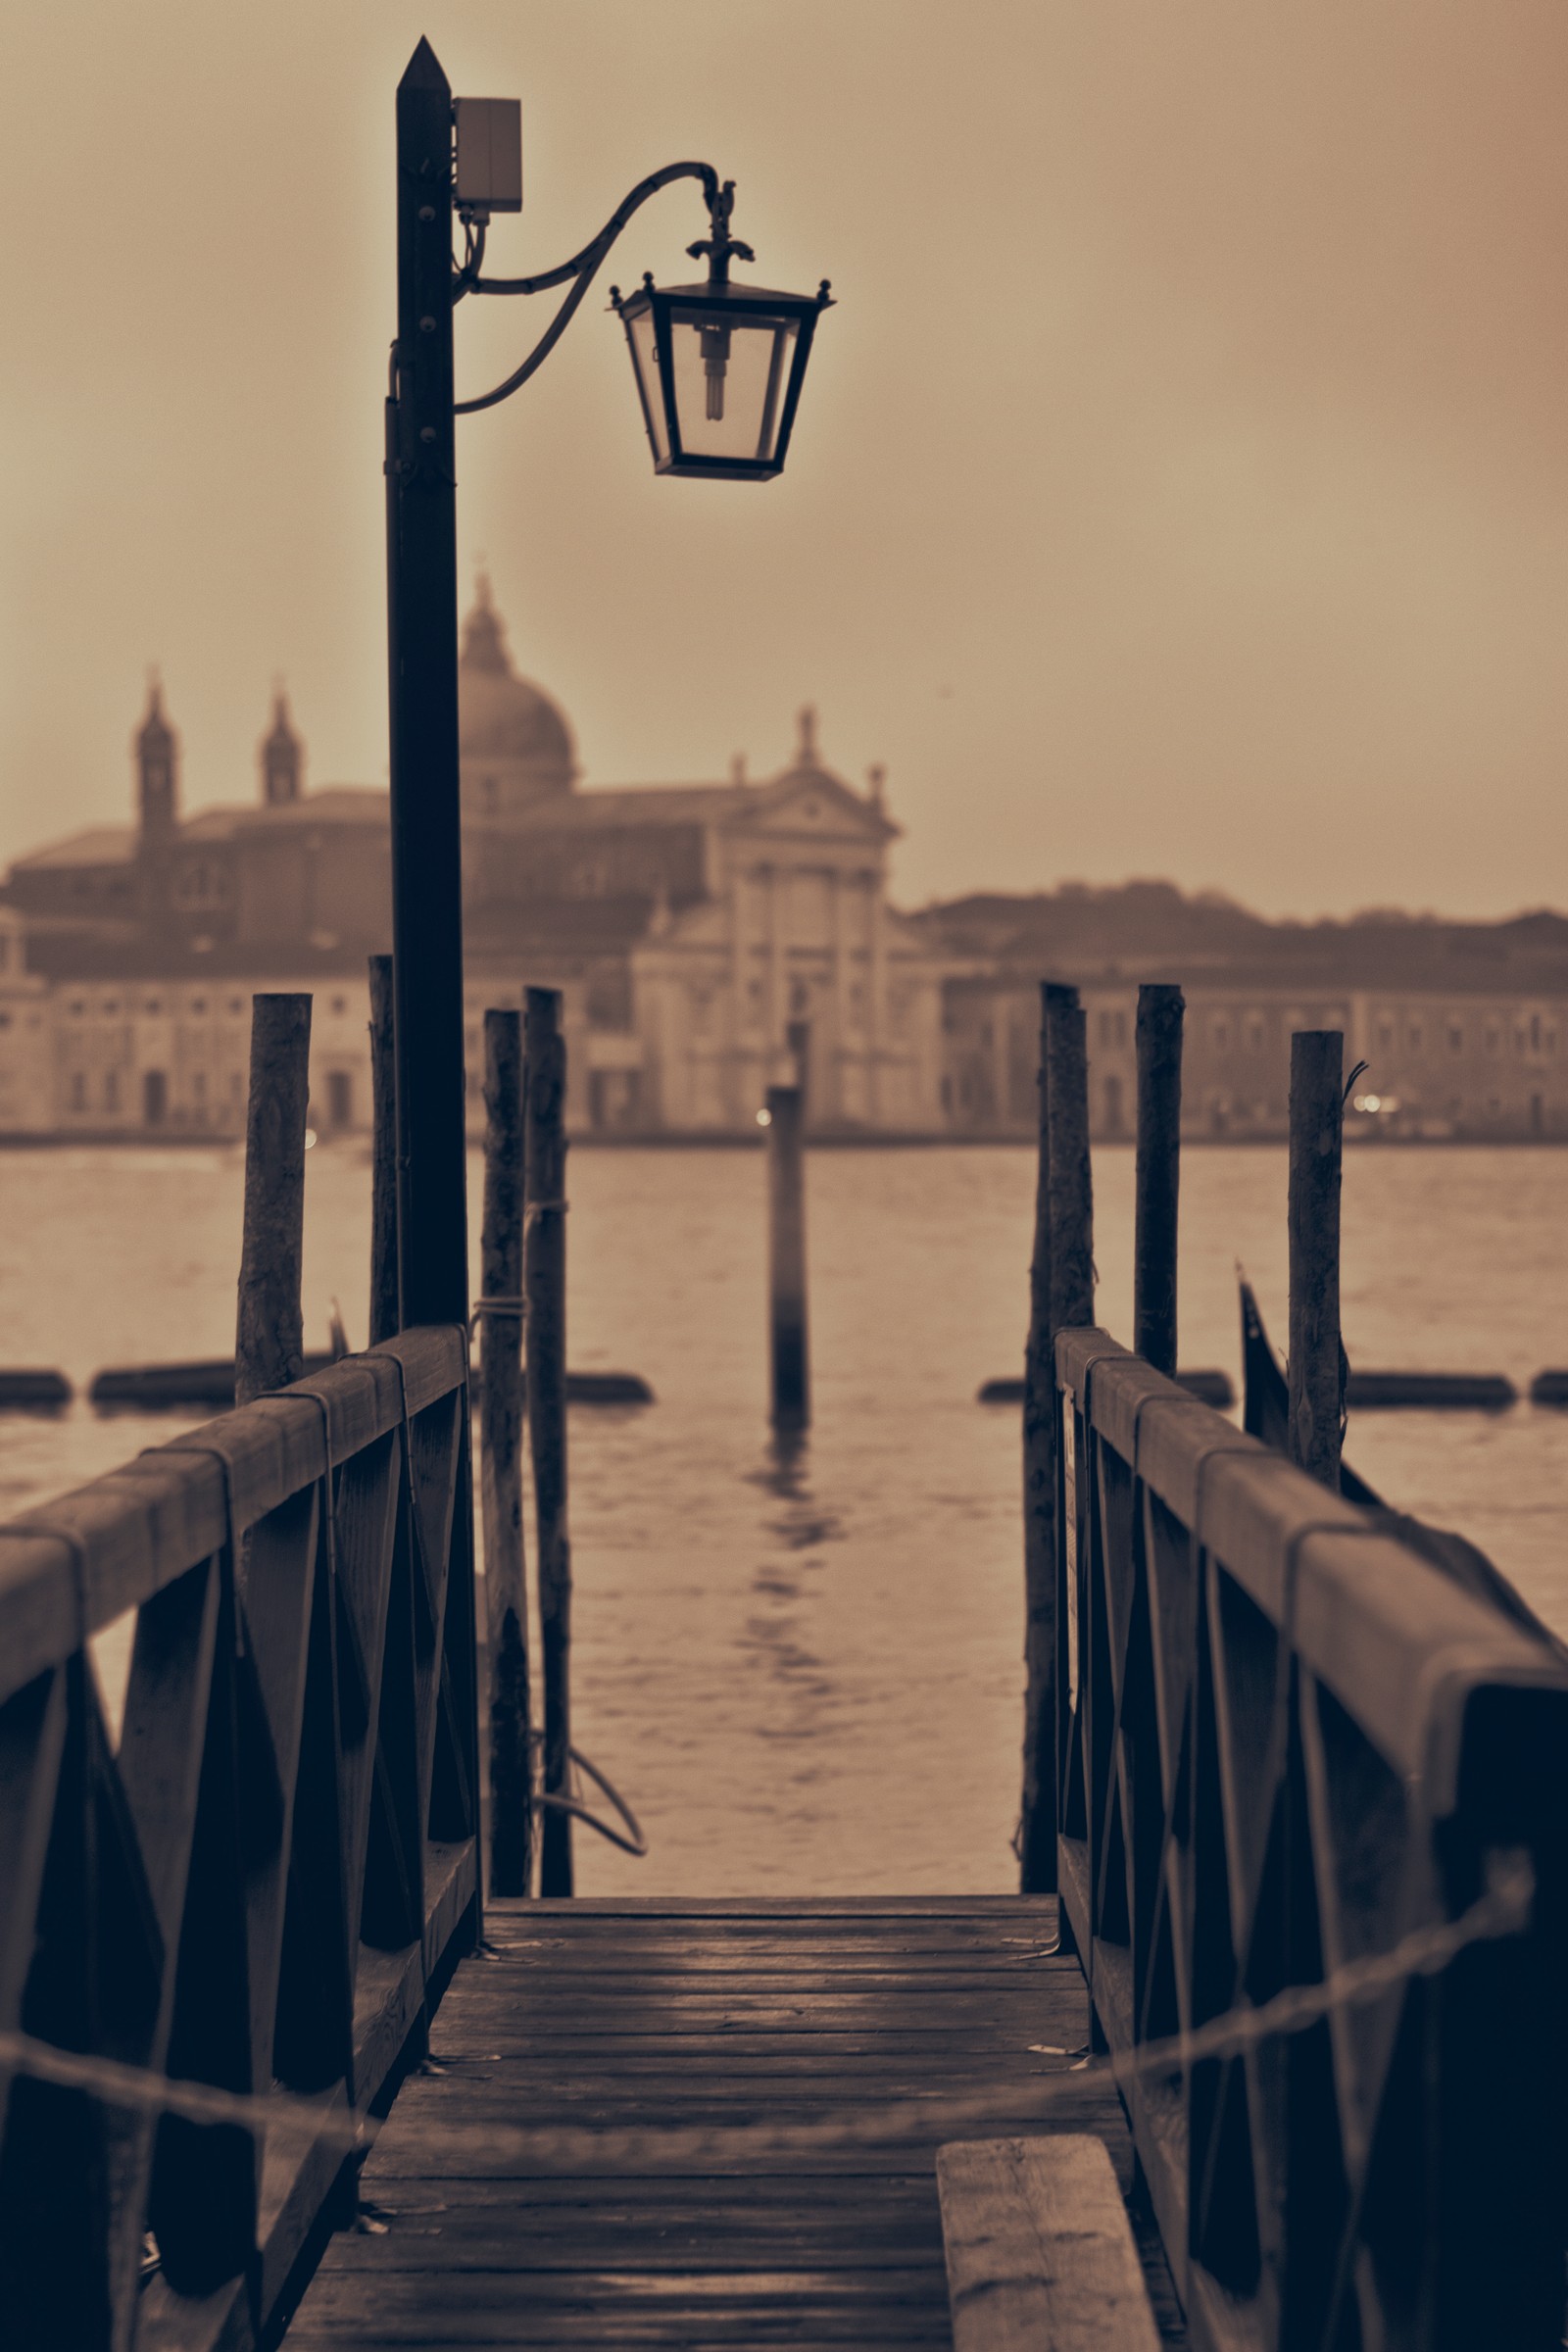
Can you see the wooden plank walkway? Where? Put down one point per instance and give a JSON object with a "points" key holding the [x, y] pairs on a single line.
{"points": [[704, 2014]]}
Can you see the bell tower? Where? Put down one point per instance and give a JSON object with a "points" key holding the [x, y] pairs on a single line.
{"points": [[157, 771], [282, 758]]}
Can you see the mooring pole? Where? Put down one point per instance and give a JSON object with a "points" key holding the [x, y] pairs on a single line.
{"points": [[423, 614], [1072, 1210], [1037, 1829], [545, 1286], [788, 1346], [1315, 1369], [384, 1155], [1158, 1181], [268, 1337], [501, 1457]]}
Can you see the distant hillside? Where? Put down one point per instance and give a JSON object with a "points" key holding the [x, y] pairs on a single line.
{"points": [[1151, 930]]}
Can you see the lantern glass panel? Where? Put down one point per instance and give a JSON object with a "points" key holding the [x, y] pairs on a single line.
{"points": [[645, 357], [732, 370]]}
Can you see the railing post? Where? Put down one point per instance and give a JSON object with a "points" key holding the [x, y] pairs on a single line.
{"points": [[268, 1343], [501, 1460], [1159, 1174], [1037, 1827], [545, 1262], [789, 1354], [385, 1323], [1317, 1365]]}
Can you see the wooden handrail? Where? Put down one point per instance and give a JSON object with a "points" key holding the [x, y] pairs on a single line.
{"points": [[269, 1877], [137, 1529], [1288, 1740]]}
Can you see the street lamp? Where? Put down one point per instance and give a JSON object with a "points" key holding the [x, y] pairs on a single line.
{"points": [[718, 370]]}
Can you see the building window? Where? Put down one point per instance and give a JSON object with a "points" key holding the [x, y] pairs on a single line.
{"points": [[340, 1004], [111, 1003], [110, 1090], [198, 1088], [1535, 1033], [236, 1086], [1220, 1034], [1415, 1037], [154, 1005], [1456, 1037], [79, 1090], [236, 1004], [1255, 1032], [1385, 1037], [1112, 1028], [4, 1021], [1494, 1038], [198, 1005], [78, 1009]]}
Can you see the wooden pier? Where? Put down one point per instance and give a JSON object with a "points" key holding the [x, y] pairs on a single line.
{"points": [[695, 2018]]}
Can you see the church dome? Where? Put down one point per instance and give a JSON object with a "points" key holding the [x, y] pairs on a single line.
{"points": [[502, 717]]}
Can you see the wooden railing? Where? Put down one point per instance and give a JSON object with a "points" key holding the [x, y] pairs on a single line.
{"points": [[266, 1879], [1288, 1741]]}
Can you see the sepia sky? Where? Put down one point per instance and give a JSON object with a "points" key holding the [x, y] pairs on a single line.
{"points": [[1179, 486]]}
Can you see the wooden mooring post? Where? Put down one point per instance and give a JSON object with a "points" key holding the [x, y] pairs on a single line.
{"points": [[1037, 1827], [545, 1286], [501, 1457], [385, 1320], [1315, 1369], [1158, 1181], [1072, 1206], [270, 1337], [789, 1352], [1061, 1293]]}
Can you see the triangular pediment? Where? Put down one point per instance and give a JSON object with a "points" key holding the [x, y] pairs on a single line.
{"points": [[813, 802]]}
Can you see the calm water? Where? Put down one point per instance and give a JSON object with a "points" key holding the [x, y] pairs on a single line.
{"points": [[805, 1674]]}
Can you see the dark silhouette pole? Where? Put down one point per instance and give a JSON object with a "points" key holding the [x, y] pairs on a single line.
{"points": [[1158, 1180], [422, 646]]}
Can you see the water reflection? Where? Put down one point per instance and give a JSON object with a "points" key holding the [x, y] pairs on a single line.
{"points": [[775, 1637]]}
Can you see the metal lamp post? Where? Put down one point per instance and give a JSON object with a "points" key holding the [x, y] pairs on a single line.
{"points": [[718, 374]]}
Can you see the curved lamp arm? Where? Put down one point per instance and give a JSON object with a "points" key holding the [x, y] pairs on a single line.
{"points": [[581, 270]]}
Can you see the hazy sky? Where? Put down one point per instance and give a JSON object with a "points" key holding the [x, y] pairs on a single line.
{"points": [[1178, 488]]}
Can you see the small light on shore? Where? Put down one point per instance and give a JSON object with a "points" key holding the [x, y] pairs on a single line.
{"points": [[765, 1118], [310, 1139]]}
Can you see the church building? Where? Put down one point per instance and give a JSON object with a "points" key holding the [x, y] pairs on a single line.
{"points": [[708, 937]]}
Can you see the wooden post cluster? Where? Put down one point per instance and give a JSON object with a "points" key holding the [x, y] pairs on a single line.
{"points": [[789, 1354], [545, 1286], [501, 1457], [1317, 1365], [1158, 1182], [385, 1319], [1062, 1294], [269, 1338]]}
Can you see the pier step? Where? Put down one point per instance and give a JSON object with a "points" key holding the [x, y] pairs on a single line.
{"points": [[1040, 2252]]}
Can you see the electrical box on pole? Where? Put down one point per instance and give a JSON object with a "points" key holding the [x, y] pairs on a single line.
{"points": [[489, 157]]}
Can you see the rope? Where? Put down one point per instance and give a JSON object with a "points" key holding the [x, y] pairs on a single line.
{"points": [[498, 1303], [1504, 1909], [635, 1844]]}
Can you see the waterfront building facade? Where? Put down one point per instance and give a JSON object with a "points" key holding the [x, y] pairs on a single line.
{"points": [[709, 939], [1463, 1028]]}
